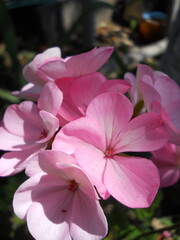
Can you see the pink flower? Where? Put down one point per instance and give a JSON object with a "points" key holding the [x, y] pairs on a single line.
{"points": [[27, 129], [166, 234], [135, 90], [160, 94], [49, 66], [157, 85], [30, 72], [170, 116], [167, 159], [59, 201], [50, 99], [75, 66], [99, 141], [79, 91]]}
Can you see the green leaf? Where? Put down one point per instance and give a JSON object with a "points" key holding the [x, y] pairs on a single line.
{"points": [[167, 221], [6, 95], [138, 107]]}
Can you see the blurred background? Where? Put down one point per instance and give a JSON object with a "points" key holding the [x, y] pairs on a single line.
{"points": [[141, 32]]}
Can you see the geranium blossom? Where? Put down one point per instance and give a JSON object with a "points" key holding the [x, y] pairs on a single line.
{"points": [[76, 136], [49, 66], [160, 87], [74, 66], [59, 201], [27, 129], [30, 72], [160, 94], [79, 91], [167, 159], [135, 90], [99, 141]]}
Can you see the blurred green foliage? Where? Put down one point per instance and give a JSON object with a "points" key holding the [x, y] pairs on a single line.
{"points": [[142, 224]]}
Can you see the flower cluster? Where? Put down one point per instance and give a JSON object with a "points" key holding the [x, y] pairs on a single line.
{"points": [[75, 135]]}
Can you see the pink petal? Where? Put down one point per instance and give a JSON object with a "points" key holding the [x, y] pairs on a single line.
{"points": [[88, 220], [143, 133], [11, 142], [33, 167], [43, 206], [68, 109], [51, 161], [51, 125], [30, 74], [142, 70], [22, 198], [51, 52], [78, 65], [174, 114], [14, 162], [133, 92], [64, 166], [84, 89], [115, 85], [88, 62], [168, 176], [166, 159], [58, 208], [50, 99], [50, 208], [157, 86], [166, 87], [150, 94], [80, 132], [112, 111], [53, 70], [26, 121], [44, 228], [30, 70], [93, 162], [166, 155], [52, 193], [29, 91], [173, 132], [128, 180]]}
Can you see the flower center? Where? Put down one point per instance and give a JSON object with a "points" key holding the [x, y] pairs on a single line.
{"points": [[43, 135], [109, 153], [73, 186]]}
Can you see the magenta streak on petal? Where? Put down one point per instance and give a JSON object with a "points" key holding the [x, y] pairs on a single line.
{"points": [[43, 135], [63, 210], [73, 186]]}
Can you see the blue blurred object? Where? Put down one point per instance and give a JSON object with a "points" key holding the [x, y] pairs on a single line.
{"points": [[10, 4], [154, 15]]}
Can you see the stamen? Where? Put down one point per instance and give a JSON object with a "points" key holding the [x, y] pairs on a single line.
{"points": [[43, 135], [63, 210], [109, 152], [73, 186]]}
